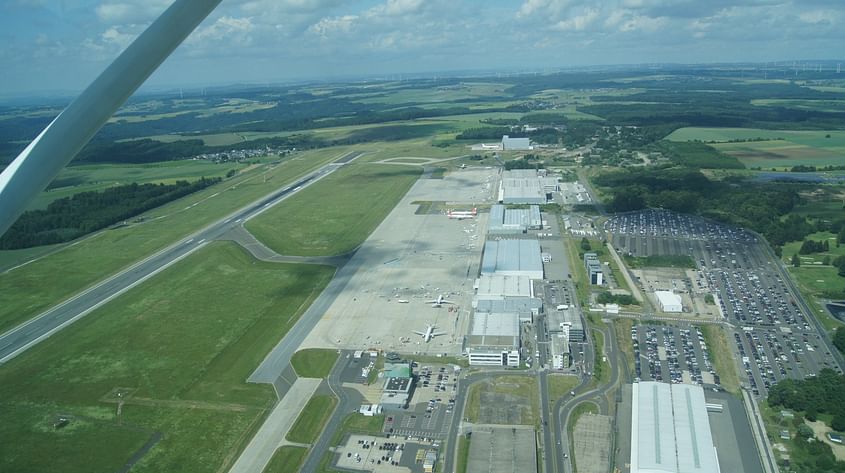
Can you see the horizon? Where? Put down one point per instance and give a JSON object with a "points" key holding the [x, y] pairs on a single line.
{"points": [[52, 47]]}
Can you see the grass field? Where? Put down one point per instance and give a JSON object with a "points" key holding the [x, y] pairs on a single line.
{"points": [[515, 385], [27, 291], [180, 347], [815, 279], [287, 459], [314, 362], [75, 179], [310, 422], [335, 215], [723, 361], [600, 372], [781, 148], [560, 385]]}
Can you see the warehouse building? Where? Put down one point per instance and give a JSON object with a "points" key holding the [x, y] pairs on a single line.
{"points": [[527, 186], [669, 301], [504, 221], [500, 286], [493, 340], [515, 144], [512, 258], [525, 309], [594, 270], [670, 430]]}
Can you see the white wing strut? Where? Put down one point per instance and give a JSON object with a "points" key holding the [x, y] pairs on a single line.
{"points": [[38, 164]]}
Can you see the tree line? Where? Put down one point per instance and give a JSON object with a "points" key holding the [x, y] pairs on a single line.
{"points": [[71, 217]]}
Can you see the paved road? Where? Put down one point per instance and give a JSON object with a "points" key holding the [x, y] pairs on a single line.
{"points": [[565, 406], [28, 334], [348, 400]]}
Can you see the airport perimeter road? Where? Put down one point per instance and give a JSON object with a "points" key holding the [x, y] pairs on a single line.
{"points": [[565, 406], [26, 335]]}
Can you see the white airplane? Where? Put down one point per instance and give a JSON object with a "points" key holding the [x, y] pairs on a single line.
{"points": [[439, 301], [429, 333]]}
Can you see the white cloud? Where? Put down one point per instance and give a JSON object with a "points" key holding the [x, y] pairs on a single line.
{"points": [[225, 29], [817, 16], [579, 22], [111, 12], [330, 26]]}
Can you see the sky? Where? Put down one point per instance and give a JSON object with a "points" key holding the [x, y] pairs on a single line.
{"points": [[61, 45]]}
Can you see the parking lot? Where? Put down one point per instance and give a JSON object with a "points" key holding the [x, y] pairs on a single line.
{"points": [[432, 407], [380, 454], [672, 354], [774, 339]]}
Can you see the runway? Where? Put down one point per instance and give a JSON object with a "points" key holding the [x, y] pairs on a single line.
{"points": [[30, 333]]}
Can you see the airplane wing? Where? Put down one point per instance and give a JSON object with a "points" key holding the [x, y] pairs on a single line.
{"points": [[39, 163], [419, 333]]}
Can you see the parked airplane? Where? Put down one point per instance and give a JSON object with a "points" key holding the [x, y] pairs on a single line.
{"points": [[439, 301], [462, 214], [429, 333]]}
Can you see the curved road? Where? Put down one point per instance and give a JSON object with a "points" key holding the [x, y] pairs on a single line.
{"points": [[564, 406], [30, 333]]}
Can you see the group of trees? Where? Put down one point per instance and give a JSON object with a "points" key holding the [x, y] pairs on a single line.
{"points": [[820, 394], [809, 247], [763, 207], [71, 217], [606, 297]]}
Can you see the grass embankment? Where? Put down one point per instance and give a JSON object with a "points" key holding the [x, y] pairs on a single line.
{"points": [[335, 215], [600, 372], [722, 356], [523, 387], [314, 362], [579, 273], [179, 346], [287, 459], [660, 261], [29, 290], [463, 454], [560, 385], [624, 342], [311, 420]]}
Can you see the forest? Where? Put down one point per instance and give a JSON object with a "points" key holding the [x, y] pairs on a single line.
{"points": [[72, 217], [762, 207]]}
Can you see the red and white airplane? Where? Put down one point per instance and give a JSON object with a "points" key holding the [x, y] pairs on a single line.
{"points": [[462, 214]]}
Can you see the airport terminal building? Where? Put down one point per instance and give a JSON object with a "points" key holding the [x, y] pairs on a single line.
{"points": [[670, 430]]}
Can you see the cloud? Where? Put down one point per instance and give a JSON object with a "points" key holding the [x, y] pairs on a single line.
{"points": [[579, 22], [111, 12]]}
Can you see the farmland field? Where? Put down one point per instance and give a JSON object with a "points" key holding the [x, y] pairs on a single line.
{"points": [[780, 148], [179, 347]]}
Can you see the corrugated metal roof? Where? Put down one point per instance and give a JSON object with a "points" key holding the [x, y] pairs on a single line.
{"points": [[501, 285], [509, 305], [670, 431], [499, 325], [512, 256]]}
